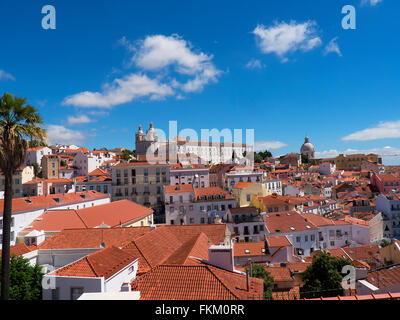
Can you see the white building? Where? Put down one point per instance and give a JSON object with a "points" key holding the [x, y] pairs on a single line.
{"points": [[26, 210], [273, 185], [108, 270], [242, 174], [35, 155], [88, 162], [246, 224], [212, 152], [185, 204], [339, 233], [327, 168], [390, 206], [301, 233]]}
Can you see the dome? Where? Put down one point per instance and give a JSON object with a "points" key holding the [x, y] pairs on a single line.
{"points": [[307, 148]]}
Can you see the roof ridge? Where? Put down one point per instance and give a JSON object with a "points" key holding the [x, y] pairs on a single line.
{"points": [[140, 251], [178, 248], [222, 282], [194, 244], [80, 218], [90, 265]]}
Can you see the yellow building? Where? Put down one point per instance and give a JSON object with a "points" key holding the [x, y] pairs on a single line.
{"points": [[277, 203], [243, 192], [354, 161], [23, 174]]}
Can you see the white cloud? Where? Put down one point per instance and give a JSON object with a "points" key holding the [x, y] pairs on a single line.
{"points": [[282, 38], [268, 145], [121, 91], [62, 135], [159, 55], [79, 120], [390, 155], [255, 64], [371, 2], [384, 130], [332, 46], [6, 76]]}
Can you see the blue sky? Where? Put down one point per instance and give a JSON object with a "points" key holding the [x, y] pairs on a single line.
{"points": [[112, 65]]}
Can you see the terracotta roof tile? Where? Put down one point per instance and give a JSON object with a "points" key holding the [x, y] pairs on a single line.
{"points": [[197, 282], [103, 263]]}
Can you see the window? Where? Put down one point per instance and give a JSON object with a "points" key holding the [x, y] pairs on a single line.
{"points": [[297, 239], [76, 293], [55, 294], [131, 269], [172, 222], [305, 238], [312, 237], [202, 220]]}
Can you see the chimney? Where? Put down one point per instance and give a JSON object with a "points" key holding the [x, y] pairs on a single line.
{"points": [[221, 256]]}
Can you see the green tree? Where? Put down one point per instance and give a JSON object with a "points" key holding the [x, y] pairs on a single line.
{"points": [[18, 121], [261, 156], [384, 243], [37, 170], [305, 159], [323, 277], [33, 143], [127, 154], [258, 271], [25, 280]]}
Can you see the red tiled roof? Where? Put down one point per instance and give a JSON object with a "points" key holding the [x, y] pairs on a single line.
{"points": [[98, 172], [112, 214], [211, 191], [318, 220], [197, 282], [299, 266], [103, 263], [279, 241], [242, 185], [242, 249], [385, 277], [20, 249], [47, 202], [286, 222], [92, 238], [280, 274], [182, 188]]}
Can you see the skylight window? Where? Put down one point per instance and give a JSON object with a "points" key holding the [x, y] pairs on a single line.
{"points": [[292, 228], [247, 251]]}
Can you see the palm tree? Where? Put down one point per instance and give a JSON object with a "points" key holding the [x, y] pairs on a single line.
{"points": [[18, 121]]}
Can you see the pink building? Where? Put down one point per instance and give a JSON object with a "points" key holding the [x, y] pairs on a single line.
{"points": [[386, 183]]}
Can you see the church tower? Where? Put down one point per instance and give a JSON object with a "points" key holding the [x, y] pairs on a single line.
{"points": [[144, 141]]}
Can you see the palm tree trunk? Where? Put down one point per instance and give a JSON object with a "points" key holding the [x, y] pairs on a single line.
{"points": [[5, 256]]}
